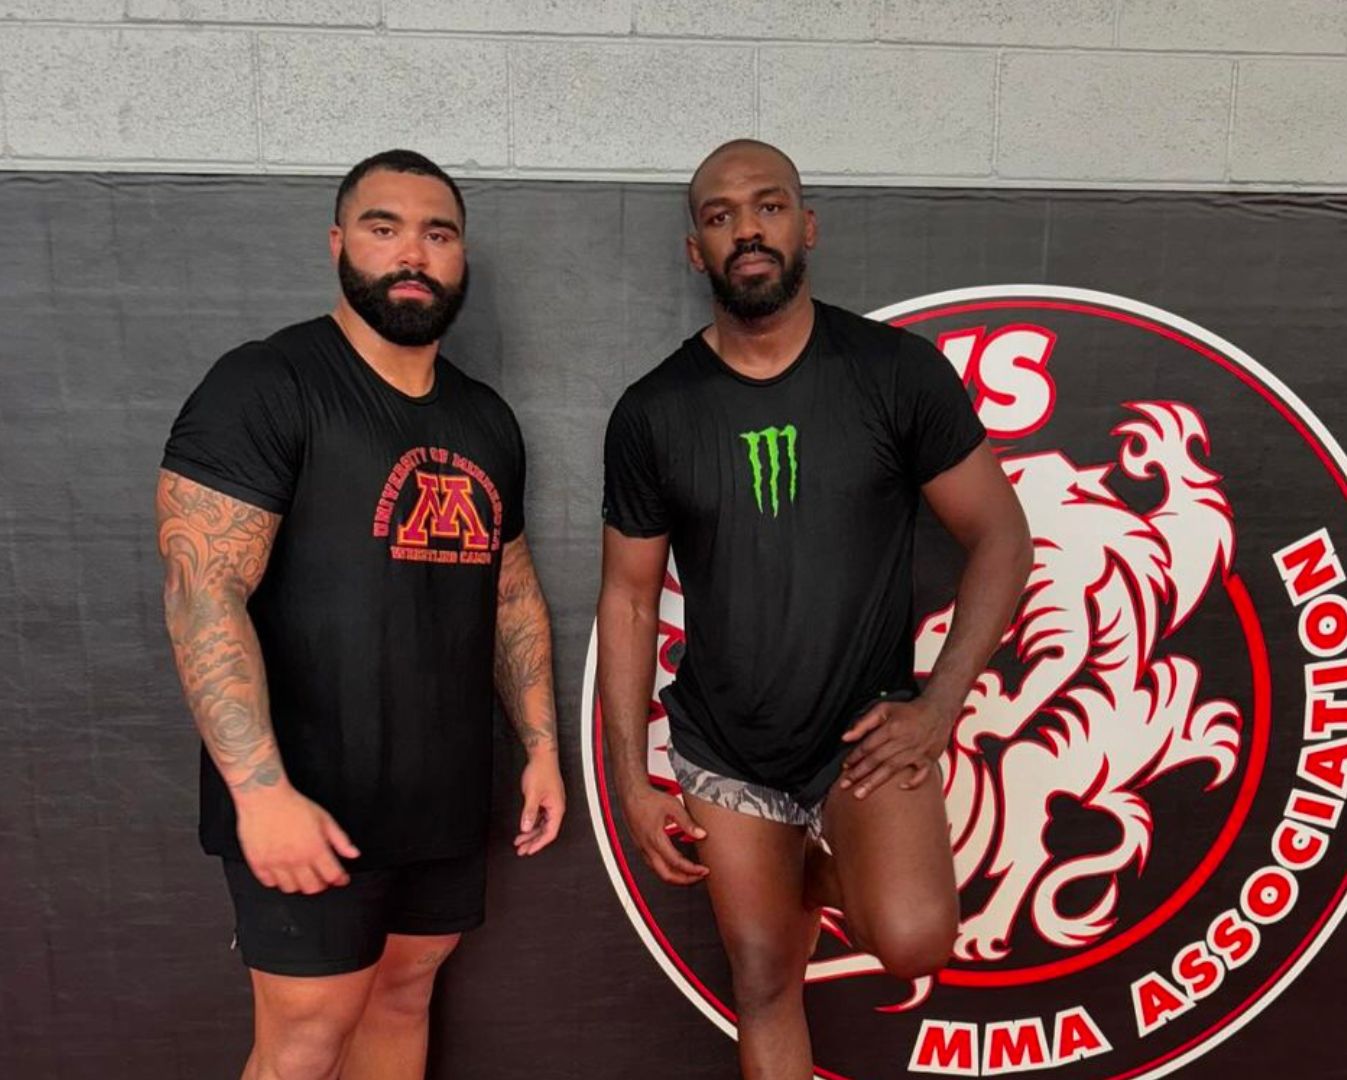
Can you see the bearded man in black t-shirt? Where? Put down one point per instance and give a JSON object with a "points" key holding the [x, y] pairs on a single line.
{"points": [[781, 453], [341, 520]]}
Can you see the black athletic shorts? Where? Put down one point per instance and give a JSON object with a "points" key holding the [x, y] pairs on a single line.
{"points": [[343, 928]]}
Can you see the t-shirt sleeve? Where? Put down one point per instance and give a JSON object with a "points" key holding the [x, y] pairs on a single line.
{"points": [[242, 430], [633, 499], [937, 425], [512, 512]]}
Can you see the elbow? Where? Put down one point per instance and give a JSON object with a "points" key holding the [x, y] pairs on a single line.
{"points": [[619, 610], [177, 609]]}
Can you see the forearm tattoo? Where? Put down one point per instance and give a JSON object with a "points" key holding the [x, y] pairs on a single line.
{"points": [[215, 550], [523, 667]]}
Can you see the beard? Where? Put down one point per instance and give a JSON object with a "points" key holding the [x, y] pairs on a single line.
{"points": [[758, 296], [403, 322]]}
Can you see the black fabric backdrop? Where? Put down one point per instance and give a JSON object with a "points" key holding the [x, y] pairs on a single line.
{"points": [[116, 293]]}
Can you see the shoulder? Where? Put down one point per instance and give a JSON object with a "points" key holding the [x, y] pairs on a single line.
{"points": [[481, 398], [874, 341], [255, 370], [278, 362], [483, 395], [666, 381]]}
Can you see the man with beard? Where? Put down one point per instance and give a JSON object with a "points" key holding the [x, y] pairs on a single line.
{"points": [[341, 520], [782, 452]]}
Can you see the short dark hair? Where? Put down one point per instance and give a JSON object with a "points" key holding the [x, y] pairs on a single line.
{"points": [[403, 161]]}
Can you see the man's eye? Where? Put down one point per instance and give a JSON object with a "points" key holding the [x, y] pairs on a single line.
{"points": [[771, 207], [718, 219], [438, 237], [382, 230]]}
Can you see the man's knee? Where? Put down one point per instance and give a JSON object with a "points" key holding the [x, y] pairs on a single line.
{"points": [[307, 1049], [767, 970], [403, 987], [912, 946]]}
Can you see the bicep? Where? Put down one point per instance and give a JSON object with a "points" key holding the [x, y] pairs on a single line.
{"points": [[211, 542], [973, 499]]}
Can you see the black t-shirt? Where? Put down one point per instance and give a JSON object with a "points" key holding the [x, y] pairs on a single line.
{"points": [[790, 505], [377, 611]]}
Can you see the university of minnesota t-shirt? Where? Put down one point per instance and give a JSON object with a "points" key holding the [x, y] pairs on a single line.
{"points": [[377, 611], [790, 505]]}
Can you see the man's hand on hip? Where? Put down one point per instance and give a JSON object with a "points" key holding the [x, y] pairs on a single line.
{"points": [[901, 739]]}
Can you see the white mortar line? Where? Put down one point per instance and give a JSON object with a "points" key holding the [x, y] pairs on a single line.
{"points": [[257, 96], [996, 113], [757, 92], [680, 177], [592, 38]]}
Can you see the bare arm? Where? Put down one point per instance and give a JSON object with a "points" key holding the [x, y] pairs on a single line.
{"points": [[523, 665], [976, 503], [633, 575], [523, 673], [215, 551]]}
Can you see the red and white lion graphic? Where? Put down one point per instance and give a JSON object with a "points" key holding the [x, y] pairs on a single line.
{"points": [[1108, 585]]}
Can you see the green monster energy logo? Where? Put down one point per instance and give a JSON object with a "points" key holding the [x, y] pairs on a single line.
{"points": [[773, 437]]}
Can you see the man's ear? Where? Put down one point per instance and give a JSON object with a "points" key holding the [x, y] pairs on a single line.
{"points": [[695, 254]]}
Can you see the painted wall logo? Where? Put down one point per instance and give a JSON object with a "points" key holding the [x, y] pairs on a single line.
{"points": [[1145, 788], [779, 442], [440, 519]]}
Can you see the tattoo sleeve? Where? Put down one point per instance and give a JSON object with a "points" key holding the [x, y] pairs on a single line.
{"points": [[523, 663], [215, 550]]}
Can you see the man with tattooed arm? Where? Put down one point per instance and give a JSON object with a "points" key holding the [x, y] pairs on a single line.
{"points": [[341, 521]]}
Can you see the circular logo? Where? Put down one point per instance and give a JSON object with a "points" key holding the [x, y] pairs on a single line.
{"points": [[1145, 787]]}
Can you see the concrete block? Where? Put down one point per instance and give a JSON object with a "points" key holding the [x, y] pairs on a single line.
{"points": [[75, 10], [923, 112], [332, 99], [1089, 116], [1288, 121], [296, 12], [128, 94], [636, 106], [512, 16], [1235, 25], [999, 22], [811, 20]]}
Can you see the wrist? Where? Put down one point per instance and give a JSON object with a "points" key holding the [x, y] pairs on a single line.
{"points": [[254, 795], [945, 703], [543, 750], [631, 785]]}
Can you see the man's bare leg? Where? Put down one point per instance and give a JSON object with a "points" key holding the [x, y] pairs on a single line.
{"points": [[301, 1025], [896, 871], [390, 1040], [756, 881]]}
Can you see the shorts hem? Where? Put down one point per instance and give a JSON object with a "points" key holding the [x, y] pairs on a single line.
{"points": [[310, 969], [436, 927]]}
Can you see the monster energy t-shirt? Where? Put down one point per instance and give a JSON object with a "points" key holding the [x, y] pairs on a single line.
{"points": [[790, 506], [377, 611]]}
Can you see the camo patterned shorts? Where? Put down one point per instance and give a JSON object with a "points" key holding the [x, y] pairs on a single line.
{"points": [[741, 796]]}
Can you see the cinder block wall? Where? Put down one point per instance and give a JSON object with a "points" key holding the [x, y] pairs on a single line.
{"points": [[1236, 94]]}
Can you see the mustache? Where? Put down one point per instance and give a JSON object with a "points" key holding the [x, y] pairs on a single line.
{"points": [[753, 247], [437, 289]]}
